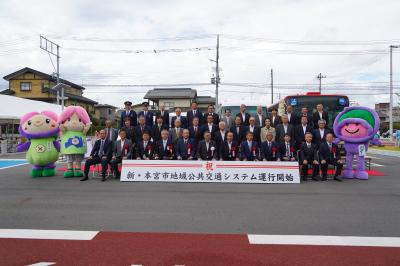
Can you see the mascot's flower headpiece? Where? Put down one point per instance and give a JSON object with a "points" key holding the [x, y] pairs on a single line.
{"points": [[48, 117], [356, 124]]}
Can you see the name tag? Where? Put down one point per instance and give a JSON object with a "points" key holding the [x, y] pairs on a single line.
{"points": [[49, 144], [361, 150]]}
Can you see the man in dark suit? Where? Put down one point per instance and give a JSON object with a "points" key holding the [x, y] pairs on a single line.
{"points": [[304, 112], [164, 115], [185, 147], [147, 114], [301, 130], [256, 130], [210, 111], [320, 133], [194, 112], [244, 116], [145, 148], [128, 113], [249, 150], [292, 116], [141, 128], [308, 157], [209, 126], [101, 153], [157, 128], [195, 133], [283, 129], [229, 150], [239, 131], [329, 154], [164, 147], [287, 152], [269, 149], [179, 116], [260, 116], [122, 150], [275, 118], [206, 149], [320, 114], [220, 136]]}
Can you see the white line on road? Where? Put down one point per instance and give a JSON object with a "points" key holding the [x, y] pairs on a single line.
{"points": [[47, 234], [325, 240], [42, 264]]}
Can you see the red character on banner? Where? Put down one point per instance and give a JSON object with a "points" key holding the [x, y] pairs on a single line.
{"points": [[189, 148], [273, 152]]}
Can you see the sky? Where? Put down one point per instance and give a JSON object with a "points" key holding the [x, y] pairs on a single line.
{"points": [[137, 44]]}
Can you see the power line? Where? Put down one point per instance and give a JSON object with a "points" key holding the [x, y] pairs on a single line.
{"points": [[150, 51]]}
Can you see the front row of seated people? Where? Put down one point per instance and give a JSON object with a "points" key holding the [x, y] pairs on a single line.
{"points": [[309, 155]]}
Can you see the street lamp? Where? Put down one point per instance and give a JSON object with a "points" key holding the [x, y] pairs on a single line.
{"points": [[391, 91]]}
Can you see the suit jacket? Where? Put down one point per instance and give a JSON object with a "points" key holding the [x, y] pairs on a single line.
{"points": [[247, 153], [229, 123], [206, 154], [264, 131], [165, 117], [256, 133], [126, 150], [148, 117], [259, 122], [205, 128], [216, 118], [145, 152], [156, 132], [294, 119], [190, 116], [239, 137], [195, 135], [316, 118], [269, 152], [130, 133], [280, 133], [283, 151], [113, 133], [173, 136], [326, 154], [275, 121], [139, 133], [184, 122], [227, 154], [132, 115], [187, 150], [299, 134], [166, 153], [317, 136], [244, 122], [309, 154], [107, 149], [219, 140]]}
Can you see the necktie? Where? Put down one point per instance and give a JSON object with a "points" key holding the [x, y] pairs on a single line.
{"points": [[185, 141], [195, 130], [108, 133], [249, 144], [145, 113], [141, 128], [287, 149], [237, 130], [330, 147], [194, 112], [101, 148]]}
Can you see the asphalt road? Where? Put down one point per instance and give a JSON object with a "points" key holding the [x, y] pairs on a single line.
{"points": [[352, 207]]}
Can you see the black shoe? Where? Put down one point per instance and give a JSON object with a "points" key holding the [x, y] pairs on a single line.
{"points": [[103, 179], [324, 178], [337, 178], [315, 178], [85, 178]]}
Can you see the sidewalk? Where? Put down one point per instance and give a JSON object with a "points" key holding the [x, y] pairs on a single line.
{"points": [[382, 152]]}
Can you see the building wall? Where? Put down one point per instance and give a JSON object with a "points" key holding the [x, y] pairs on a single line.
{"points": [[171, 104]]}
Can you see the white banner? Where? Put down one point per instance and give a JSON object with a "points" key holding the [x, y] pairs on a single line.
{"points": [[210, 171]]}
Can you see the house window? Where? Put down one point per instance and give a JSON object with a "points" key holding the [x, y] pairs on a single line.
{"points": [[26, 86], [109, 111]]}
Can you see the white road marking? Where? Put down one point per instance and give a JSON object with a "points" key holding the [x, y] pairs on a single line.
{"points": [[375, 164], [11, 166], [325, 240], [42, 264], [47, 234]]}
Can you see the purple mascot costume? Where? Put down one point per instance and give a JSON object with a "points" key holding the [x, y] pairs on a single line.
{"points": [[356, 126]]}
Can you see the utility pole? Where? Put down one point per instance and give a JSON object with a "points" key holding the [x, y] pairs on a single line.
{"points": [[391, 91], [320, 77], [272, 86], [54, 49], [217, 74]]}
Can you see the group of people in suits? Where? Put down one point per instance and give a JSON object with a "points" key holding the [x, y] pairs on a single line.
{"points": [[205, 136]]}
